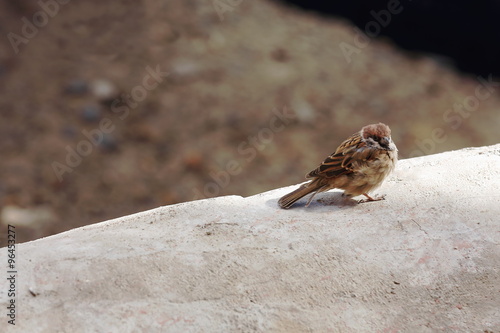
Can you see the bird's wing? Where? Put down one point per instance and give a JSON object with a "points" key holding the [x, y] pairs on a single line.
{"points": [[348, 158]]}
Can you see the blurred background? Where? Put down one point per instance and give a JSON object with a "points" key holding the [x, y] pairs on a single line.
{"points": [[112, 108]]}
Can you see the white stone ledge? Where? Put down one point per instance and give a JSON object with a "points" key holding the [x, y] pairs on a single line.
{"points": [[424, 260]]}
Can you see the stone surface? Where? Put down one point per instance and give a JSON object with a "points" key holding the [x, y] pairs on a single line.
{"points": [[424, 260]]}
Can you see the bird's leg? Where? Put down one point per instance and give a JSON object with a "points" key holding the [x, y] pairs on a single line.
{"points": [[369, 198], [310, 199]]}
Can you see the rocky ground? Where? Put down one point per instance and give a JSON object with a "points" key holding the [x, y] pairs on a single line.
{"points": [[110, 108]]}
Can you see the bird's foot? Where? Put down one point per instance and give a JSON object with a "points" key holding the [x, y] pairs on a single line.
{"points": [[369, 198]]}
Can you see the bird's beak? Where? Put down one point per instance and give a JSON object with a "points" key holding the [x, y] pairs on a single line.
{"points": [[386, 142]]}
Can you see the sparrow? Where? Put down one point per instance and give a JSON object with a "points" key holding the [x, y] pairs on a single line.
{"points": [[358, 166]]}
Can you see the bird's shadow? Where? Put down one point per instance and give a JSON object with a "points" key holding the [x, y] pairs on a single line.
{"points": [[335, 199]]}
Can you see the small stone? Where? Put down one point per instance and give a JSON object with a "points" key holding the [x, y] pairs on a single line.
{"points": [[33, 217], [183, 68], [103, 90], [77, 87], [193, 161], [108, 142], [280, 55], [33, 292], [91, 113], [304, 110]]}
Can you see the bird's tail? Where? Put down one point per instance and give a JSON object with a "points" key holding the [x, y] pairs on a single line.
{"points": [[289, 199]]}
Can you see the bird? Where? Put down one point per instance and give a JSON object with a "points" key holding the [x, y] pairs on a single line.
{"points": [[359, 165]]}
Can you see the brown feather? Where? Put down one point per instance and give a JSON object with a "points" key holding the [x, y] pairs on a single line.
{"points": [[339, 163], [288, 200]]}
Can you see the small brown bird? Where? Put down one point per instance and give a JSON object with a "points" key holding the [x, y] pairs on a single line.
{"points": [[358, 166]]}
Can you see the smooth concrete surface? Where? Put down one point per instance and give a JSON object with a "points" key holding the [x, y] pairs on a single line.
{"points": [[426, 259]]}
